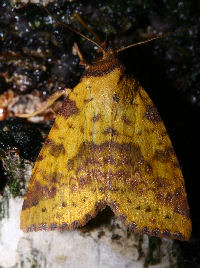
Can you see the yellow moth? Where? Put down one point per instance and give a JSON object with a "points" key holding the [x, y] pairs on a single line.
{"points": [[108, 146]]}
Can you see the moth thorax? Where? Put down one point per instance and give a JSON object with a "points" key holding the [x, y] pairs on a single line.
{"points": [[105, 64]]}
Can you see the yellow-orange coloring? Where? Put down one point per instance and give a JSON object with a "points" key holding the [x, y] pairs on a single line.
{"points": [[108, 146]]}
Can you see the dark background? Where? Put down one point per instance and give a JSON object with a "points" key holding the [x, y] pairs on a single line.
{"points": [[33, 46]]}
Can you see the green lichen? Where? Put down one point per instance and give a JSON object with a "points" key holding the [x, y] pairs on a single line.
{"points": [[34, 259], [13, 180], [140, 243], [14, 187], [154, 252], [15, 173]]}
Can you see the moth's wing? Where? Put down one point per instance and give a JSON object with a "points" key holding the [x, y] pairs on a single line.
{"points": [[147, 188], [62, 192]]}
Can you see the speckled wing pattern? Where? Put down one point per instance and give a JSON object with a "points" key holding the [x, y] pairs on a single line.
{"points": [[108, 146]]}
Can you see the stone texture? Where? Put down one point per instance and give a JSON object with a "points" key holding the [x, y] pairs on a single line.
{"points": [[109, 245]]}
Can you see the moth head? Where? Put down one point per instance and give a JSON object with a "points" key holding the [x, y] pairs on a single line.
{"points": [[107, 54]]}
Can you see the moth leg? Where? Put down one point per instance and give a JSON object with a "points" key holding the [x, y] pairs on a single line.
{"points": [[50, 101]]}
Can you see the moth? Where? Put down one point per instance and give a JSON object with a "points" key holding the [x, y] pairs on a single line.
{"points": [[108, 147]]}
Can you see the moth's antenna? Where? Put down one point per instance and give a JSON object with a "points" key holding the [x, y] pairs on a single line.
{"points": [[88, 28], [156, 37], [138, 43], [74, 30]]}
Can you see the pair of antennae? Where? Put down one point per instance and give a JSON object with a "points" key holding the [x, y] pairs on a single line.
{"points": [[98, 43], [77, 32]]}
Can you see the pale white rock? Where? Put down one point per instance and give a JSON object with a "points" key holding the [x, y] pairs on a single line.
{"points": [[74, 249], [10, 234], [107, 245]]}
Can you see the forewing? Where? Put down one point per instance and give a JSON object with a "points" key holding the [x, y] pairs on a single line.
{"points": [[62, 191], [108, 146], [147, 188]]}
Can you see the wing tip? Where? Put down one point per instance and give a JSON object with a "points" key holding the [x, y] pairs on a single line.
{"points": [[65, 226], [159, 233], [45, 227], [154, 232]]}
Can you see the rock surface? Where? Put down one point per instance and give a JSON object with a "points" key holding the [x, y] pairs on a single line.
{"points": [[108, 246]]}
